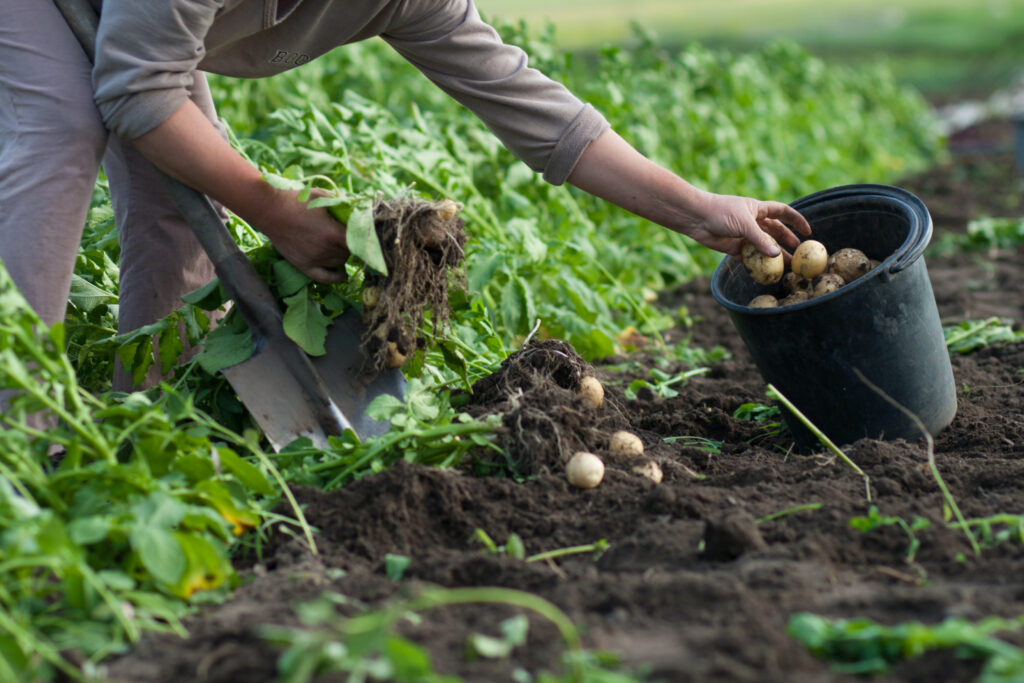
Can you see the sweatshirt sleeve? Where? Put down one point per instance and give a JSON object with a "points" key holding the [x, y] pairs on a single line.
{"points": [[145, 55], [536, 118]]}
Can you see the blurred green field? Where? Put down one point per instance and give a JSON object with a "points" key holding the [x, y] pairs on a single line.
{"points": [[935, 45]]}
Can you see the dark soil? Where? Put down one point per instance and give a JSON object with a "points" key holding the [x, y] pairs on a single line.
{"points": [[691, 587]]}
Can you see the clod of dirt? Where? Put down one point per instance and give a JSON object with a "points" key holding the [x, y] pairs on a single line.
{"points": [[536, 391], [729, 535], [423, 244]]}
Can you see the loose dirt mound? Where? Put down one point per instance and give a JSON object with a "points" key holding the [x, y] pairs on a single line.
{"points": [[692, 586]]}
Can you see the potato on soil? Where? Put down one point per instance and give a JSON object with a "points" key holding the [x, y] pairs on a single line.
{"points": [[651, 470], [591, 391], [826, 283], [763, 269], [763, 301], [584, 470], [809, 259], [795, 298], [625, 443], [849, 264]]}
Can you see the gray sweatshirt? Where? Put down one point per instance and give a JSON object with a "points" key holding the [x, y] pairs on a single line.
{"points": [[148, 49]]}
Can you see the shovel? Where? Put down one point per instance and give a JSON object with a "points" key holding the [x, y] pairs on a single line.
{"points": [[288, 393]]}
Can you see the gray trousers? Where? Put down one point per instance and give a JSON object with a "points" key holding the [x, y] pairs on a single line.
{"points": [[52, 142]]}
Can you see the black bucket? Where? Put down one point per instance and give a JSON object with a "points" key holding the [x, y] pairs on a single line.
{"points": [[884, 324]]}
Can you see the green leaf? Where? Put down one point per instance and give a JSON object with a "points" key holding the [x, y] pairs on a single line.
{"points": [[382, 408], [92, 529], [160, 553], [171, 348], [208, 297], [87, 296], [289, 278], [225, 347], [395, 566], [489, 647], [305, 322], [411, 662], [249, 475], [361, 238], [514, 547], [281, 182]]}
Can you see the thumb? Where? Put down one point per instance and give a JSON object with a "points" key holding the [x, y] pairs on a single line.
{"points": [[764, 242]]}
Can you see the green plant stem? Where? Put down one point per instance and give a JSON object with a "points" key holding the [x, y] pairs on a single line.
{"points": [[947, 496], [827, 442], [571, 550], [58, 409], [789, 511]]}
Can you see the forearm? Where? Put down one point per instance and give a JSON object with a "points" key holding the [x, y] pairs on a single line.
{"points": [[187, 147], [612, 169]]}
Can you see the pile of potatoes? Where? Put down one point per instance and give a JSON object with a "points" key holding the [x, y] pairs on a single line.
{"points": [[813, 272]]}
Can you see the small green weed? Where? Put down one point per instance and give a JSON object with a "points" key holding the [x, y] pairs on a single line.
{"points": [[862, 646], [875, 520], [972, 335], [700, 442], [366, 646], [663, 383], [514, 548]]}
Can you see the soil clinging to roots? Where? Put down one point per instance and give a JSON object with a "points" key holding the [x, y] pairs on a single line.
{"points": [[546, 420], [423, 244]]}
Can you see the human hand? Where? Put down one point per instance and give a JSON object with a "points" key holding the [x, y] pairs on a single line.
{"points": [[312, 240], [723, 222]]}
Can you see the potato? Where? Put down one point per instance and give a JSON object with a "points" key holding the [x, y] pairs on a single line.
{"points": [[371, 296], [394, 358], [795, 298], [791, 282], [591, 391], [446, 209], [873, 263], [651, 470], [625, 443], [809, 259], [848, 264], [764, 301], [826, 283], [763, 269], [585, 470]]}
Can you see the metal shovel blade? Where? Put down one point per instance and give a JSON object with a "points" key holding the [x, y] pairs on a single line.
{"points": [[277, 401]]}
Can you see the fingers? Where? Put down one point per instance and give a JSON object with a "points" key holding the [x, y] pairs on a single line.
{"points": [[780, 220], [780, 231], [788, 215]]}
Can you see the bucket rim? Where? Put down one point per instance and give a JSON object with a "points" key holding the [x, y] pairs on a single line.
{"points": [[908, 252]]}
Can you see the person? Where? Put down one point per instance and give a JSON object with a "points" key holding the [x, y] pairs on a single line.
{"points": [[145, 104]]}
